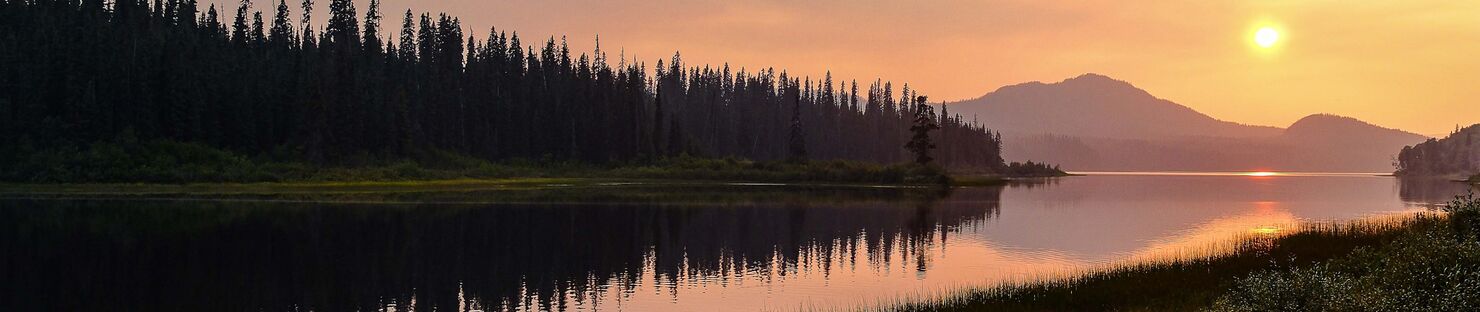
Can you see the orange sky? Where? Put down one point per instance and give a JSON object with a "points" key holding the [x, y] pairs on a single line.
{"points": [[1407, 64]]}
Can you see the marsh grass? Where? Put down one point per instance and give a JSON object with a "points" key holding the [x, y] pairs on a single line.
{"points": [[1191, 280]]}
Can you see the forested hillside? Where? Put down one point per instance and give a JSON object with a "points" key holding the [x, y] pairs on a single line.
{"points": [[1455, 155], [76, 73]]}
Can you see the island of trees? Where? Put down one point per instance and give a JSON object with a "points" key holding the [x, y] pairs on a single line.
{"points": [[133, 90]]}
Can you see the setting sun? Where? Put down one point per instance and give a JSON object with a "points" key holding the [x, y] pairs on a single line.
{"points": [[1266, 37]]}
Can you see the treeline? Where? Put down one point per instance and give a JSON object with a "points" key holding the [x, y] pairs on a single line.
{"points": [[73, 73], [1455, 155]]}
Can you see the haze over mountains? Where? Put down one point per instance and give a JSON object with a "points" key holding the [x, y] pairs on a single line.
{"points": [[1095, 123]]}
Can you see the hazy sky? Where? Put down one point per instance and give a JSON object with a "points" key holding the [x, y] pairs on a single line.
{"points": [[1409, 64]]}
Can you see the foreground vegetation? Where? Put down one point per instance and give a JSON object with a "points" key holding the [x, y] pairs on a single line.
{"points": [[1430, 262], [1434, 266]]}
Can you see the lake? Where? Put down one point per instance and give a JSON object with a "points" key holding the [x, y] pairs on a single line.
{"points": [[740, 248]]}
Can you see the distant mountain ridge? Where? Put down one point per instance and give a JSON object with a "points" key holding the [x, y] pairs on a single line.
{"points": [[1094, 122], [1330, 127], [1119, 110]]}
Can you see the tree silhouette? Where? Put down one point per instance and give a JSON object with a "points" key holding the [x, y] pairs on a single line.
{"points": [[281, 34], [797, 147], [920, 143]]}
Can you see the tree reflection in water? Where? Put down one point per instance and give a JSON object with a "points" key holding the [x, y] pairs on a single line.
{"points": [[77, 255]]}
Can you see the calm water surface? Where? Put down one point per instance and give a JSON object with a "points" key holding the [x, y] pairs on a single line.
{"points": [[775, 251]]}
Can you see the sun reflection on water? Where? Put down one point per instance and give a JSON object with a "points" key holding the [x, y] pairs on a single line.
{"points": [[1265, 229]]}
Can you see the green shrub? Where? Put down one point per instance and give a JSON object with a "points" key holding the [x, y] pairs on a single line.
{"points": [[127, 160]]}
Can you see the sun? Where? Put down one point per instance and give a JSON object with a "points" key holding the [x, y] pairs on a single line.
{"points": [[1266, 37]]}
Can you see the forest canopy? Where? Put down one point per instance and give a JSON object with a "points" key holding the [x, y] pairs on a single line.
{"points": [[1455, 155], [74, 73]]}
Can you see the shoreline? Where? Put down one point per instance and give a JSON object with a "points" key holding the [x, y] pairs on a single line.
{"points": [[1188, 284], [1241, 279], [457, 185]]}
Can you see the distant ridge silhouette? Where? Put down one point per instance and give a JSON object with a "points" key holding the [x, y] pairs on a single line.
{"points": [[1097, 106], [1095, 122]]}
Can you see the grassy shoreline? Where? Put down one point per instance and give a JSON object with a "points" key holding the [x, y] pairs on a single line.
{"points": [[158, 166], [467, 175], [1321, 267], [1179, 285], [402, 186], [500, 192], [168, 162]]}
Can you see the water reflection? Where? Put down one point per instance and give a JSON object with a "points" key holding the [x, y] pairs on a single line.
{"points": [[1429, 190], [162, 255], [766, 252]]}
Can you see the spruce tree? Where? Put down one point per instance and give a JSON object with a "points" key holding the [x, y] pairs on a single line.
{"points": [[408, 38], [258, 36], [343, 28], [308, 37], [281, 34], [797, 141], [372, 42], [239, 31], [920, 143]]}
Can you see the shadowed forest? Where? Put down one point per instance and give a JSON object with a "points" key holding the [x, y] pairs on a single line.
{"points": [[269, 88], [1453, 155]]}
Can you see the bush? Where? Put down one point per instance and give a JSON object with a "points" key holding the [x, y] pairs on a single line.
{"points": [[1311, 289], [127, 160]]}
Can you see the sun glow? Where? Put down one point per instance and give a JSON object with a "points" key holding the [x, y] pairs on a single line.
{"points": [[1261, 174], [1266, 37]]}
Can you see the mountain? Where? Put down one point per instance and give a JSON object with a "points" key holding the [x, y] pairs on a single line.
{"points": [[1098, 106], [1093, 122], [1340, 130], [1338, 143]]}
